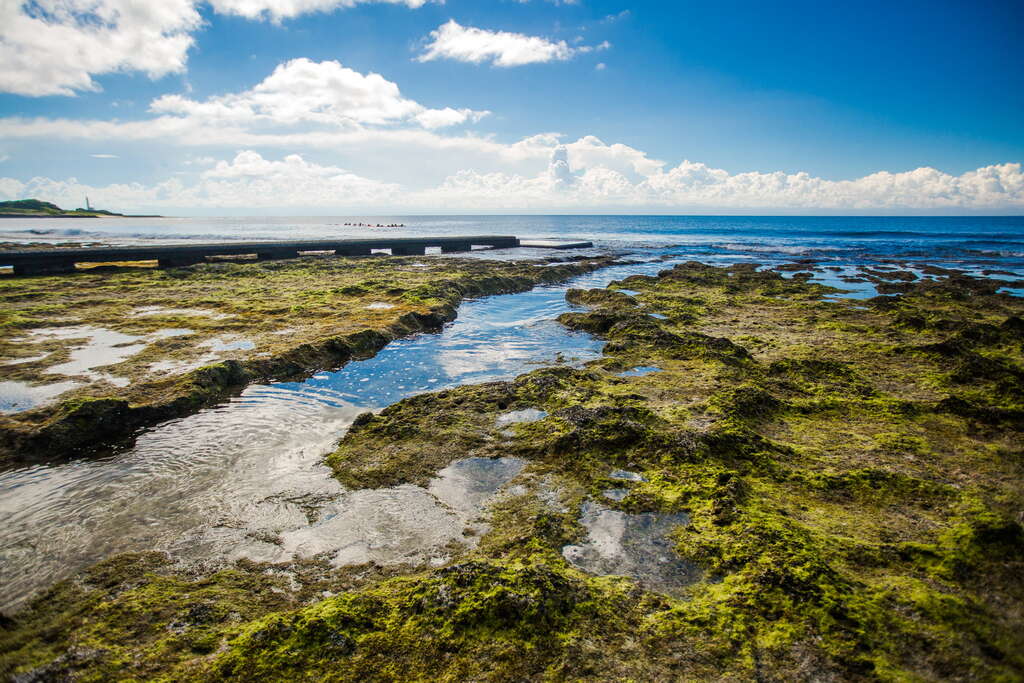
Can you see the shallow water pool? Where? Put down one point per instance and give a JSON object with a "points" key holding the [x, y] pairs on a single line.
{"points": [[216, 485]]}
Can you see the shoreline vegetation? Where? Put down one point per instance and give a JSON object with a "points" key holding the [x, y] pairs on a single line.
{"points": [[851, 475], [174, 341], [35, 208]]}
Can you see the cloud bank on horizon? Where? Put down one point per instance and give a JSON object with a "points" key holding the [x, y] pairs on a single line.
{"points": [[269, 145], [251, 181]]}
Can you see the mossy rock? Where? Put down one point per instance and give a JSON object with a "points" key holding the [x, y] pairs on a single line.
{"points": [[852, 477]]}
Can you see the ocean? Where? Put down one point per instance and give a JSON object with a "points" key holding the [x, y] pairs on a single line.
{"points": [[969, 240], [973, 244]]}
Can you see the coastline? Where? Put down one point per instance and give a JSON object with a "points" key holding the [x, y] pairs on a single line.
{"points": [[845, 471]]}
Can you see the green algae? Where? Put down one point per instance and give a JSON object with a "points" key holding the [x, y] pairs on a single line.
{"points": [[474, 620], [834, 508], [854, 501], [300, 316]]}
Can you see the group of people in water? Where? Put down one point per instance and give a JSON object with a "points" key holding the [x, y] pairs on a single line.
{"points": [[378, 225]]}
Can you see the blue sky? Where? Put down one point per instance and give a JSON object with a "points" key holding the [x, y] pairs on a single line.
{"points": [[585, 106]]}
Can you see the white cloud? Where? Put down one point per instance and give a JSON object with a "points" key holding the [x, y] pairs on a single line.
{"points": [[559, 173], [390, 154], [589, 152], [692, 185], [306, 105], [54, 47], [442, 118], [284, 9], [303, 91], [104, 156], [12, 188], [500, 48], [407, 154], [250, 180]]}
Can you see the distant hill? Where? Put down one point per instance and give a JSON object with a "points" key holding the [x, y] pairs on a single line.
{"points": [[27, 208], [33, 205]]}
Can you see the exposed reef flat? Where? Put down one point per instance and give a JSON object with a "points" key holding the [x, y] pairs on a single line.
{"points": [[833, 490], [135, 346]]}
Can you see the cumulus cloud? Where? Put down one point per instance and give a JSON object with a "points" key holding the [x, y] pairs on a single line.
{"points": [[559, 172], [442, 118], [54, 47], [403, 153], [307, 105], [396, 156], [247, 180], [500, 48], [590, 151], [693, 185], [303, 91]]}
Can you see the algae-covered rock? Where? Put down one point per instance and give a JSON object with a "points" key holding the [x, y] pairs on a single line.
{"points": [[288, 319], [600, 297], [845, 480]]}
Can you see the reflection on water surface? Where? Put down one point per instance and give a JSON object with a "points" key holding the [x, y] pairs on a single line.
{"points": [[246, 478]]}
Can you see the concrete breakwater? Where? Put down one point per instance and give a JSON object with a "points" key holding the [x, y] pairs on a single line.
{"points": [[45, 261]]}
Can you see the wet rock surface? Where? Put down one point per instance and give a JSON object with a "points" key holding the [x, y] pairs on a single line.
{"points": [[633, 545], [808, 489], [405, 524], [152, 345]]}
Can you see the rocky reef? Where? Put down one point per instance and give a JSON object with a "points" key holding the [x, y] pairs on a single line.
{"points": [[129, 348], [829, 489]]}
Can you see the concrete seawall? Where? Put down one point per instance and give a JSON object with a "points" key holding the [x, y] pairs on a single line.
{"points": [[46, 261]]}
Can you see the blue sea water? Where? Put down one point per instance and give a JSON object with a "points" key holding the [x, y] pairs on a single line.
{"points": [[973, 244], [982, 241]]}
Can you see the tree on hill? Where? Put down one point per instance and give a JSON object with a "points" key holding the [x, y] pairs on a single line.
{"points": [[30, 204]]}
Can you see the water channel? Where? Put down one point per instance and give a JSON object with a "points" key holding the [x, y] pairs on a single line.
{"points": [[245, 479]]}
